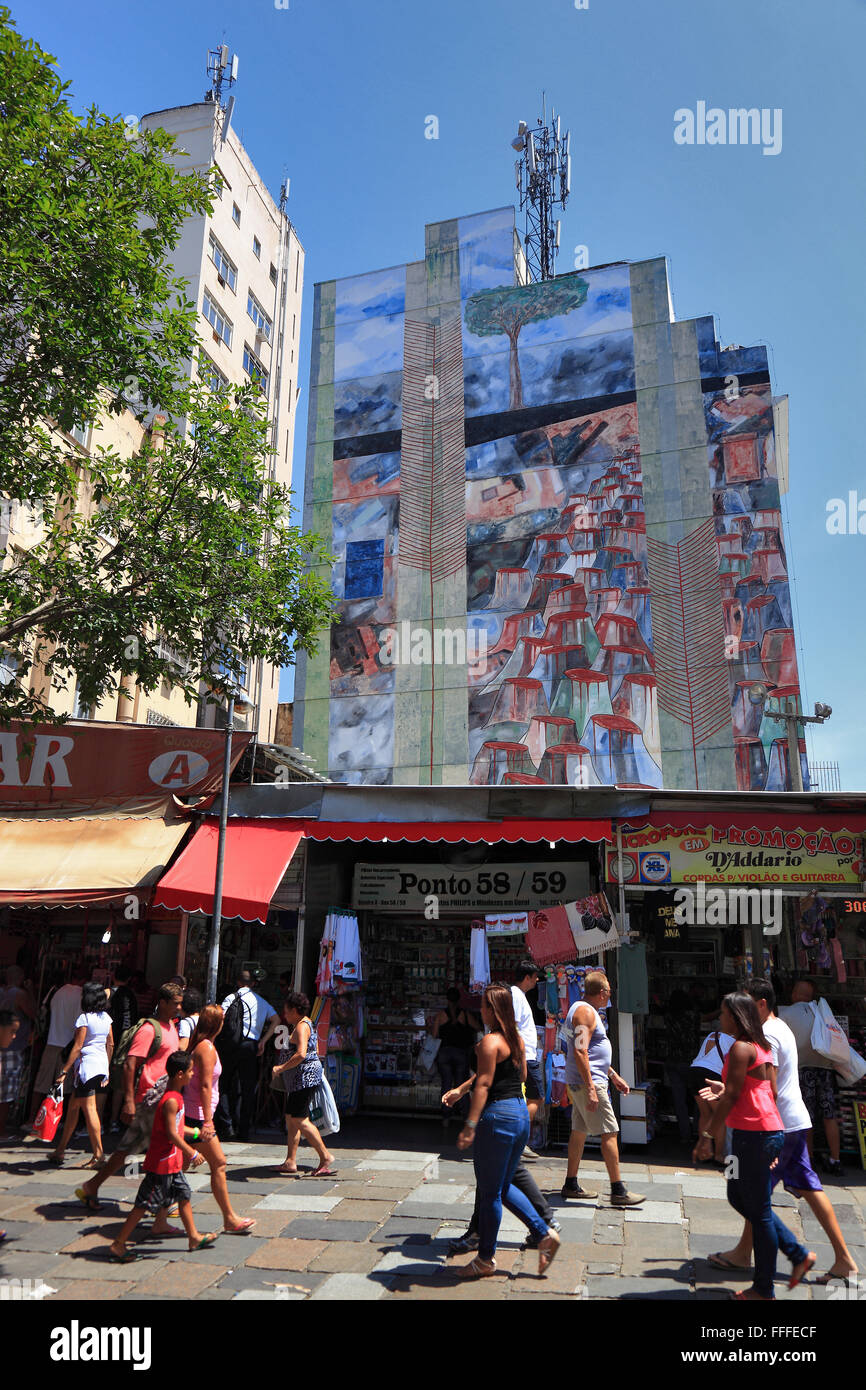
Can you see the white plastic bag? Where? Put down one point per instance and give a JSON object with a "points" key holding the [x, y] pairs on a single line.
{"points": [[853, 1070], [323, 1111], [827, 1035], [428, 1053]]}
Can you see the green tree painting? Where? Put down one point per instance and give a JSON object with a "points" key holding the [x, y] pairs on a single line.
{"points": [[509, 308]]}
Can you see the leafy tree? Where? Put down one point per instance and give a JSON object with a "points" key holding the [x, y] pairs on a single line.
{"points": [[200, 547], [188, 541], [507, 309]]}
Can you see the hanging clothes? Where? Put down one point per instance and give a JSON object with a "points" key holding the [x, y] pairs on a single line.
{"points": [[592, 925], [633, 995], [506, 923], [347, 949], [479, 960], [550, 939], [325, 972]]}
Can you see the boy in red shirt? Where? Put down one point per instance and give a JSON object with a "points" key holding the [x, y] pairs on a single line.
{"points": [[164, 1182]]}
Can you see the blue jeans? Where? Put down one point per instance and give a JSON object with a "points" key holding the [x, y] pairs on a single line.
{"points": [[749, 1194], [500, 1139]]}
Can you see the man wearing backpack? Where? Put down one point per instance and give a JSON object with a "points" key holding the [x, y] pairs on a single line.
{"points": [[142, 1052], [246, 1016]]}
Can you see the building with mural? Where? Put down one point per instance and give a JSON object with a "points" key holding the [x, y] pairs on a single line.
{"points": [[555, 517]]}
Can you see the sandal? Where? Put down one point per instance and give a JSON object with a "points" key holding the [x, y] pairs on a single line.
{"points": [[89, 1201], [721, 1261], [548, 1250], [477, 1269], [287, 1172], [58, 1158], [241, 1230], [743, 1297], [125, 1259], [205, 1243], [96, 1162], [325, 1172], [849, 1280], [804, 1266]]}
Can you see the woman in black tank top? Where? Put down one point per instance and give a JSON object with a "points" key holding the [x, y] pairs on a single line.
{"points": [[497, 1129]]}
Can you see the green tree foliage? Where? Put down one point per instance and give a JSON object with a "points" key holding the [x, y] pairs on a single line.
{"points": [[509, 308]]}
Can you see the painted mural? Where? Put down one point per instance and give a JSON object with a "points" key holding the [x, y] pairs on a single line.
{"points": [[560, 683]]}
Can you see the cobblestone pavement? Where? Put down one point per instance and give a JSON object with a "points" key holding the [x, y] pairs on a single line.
{"points": [[380, 1229]]}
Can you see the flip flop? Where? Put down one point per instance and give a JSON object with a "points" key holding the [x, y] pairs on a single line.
{"points": [[324, 1173], [806, 1265], [242, 1230], [287, 1172], [848, 1280], [720, 1262], [205, 1243], [125, 1259], [89, 1201]]}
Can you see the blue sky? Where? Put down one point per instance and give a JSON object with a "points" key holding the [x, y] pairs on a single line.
{"points": [[336, 94]]}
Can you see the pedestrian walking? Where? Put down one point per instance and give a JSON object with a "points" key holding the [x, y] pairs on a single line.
{"points": [[794, 1168], [144, 1080], [200, 1101], [239, 1050], [89, 1064], [744, 1100], [497, 1130], [818, 1082], [298, 1074], [123, 1010], [527, 976], [17, 998], [588, 1074], [63, 1009], [190, 1007], [456, 1037], [11, 1062], [164, 1183]]}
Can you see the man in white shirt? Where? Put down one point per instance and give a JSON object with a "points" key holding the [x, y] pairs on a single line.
{"points": [[817, 1073], [794, 1168], [527, 976], [64, 1009], [241, 1065]]}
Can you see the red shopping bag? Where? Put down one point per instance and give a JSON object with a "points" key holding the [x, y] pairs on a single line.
{"points": [[50, 1112]]}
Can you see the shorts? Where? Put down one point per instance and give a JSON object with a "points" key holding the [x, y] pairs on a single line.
{"points": [[298, 1102], [50, 1064], [696, 1079], [585, 1121], [159, 1191], [136, 1138], [794, 1169], [11, 1071], [534, 1083], [818, 1086], [93, 1087]]}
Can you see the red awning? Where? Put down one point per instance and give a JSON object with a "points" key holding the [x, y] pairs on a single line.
{"points": [[695, 821], [475, 832], [257, 854]]}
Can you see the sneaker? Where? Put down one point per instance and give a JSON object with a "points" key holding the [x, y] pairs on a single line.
{"points": [[464, 1244], [626, 1199], [529, 1155], [571, 1188]]}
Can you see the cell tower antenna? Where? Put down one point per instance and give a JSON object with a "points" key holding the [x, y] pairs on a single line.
{"points": [[543, 181], [222, 71]]}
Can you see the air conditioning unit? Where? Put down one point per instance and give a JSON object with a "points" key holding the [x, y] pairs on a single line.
{"points": [[221, 280]]}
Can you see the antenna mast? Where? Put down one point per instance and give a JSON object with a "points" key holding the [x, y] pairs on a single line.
{"points": [[543, 176], [221, 72]]}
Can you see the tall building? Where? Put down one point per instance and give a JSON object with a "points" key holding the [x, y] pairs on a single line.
{"points": [[245, 268], [555, 512]]}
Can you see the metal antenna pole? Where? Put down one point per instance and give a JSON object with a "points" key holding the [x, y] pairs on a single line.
{"points": [[216, 920], [544, 163]]}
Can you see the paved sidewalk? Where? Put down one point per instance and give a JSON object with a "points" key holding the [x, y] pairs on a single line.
{"points": [[380, 1229]]}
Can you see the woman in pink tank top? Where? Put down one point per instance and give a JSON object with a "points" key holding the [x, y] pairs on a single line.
{"points": [[745, 1101], [200, 1102]]}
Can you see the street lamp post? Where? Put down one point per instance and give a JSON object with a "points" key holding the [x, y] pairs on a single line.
{"points": [[758, 694]]}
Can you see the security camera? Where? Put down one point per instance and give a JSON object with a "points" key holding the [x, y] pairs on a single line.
{"points": [[822, 711]]}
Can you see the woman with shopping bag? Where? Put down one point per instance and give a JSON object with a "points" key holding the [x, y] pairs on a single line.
{"points": [[299, 1074]]}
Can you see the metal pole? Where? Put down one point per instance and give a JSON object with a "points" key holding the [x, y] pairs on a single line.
{"points": [[792, 729], [216, 920], [619, 878]]}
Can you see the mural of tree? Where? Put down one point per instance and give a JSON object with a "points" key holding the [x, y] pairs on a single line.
{"points": [[507, 309]]}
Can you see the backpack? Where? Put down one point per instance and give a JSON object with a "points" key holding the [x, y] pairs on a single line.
{"points": [[231, 1034], [121, 1052]]}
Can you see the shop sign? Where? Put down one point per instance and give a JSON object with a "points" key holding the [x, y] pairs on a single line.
{"points": [[408, 887], [737, 854], [73, 767]]}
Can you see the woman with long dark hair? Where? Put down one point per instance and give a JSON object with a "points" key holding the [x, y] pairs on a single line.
{"points": [[498, 1127], [89, 1061], [201, 1098], [745, 1101], [299, 1074]]}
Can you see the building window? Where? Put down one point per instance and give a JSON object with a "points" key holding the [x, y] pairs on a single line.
{"points": [[236, 214], [210, 373], [261, 320], [216, 318], [273, 273], [257, 248], [8, 667], [254, 369], [297, 270], [81, 434], [219, 183], [294, 320], [226, 269]]}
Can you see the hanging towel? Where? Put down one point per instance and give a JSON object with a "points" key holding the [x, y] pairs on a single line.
{"points": [[479, 961], [592, 925], [506, 923], [633, 996], [550, 939], [347, 949]]}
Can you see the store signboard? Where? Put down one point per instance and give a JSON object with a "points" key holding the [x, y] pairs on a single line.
{"points": [[763, 852], [83, 766], [489, 888]]}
